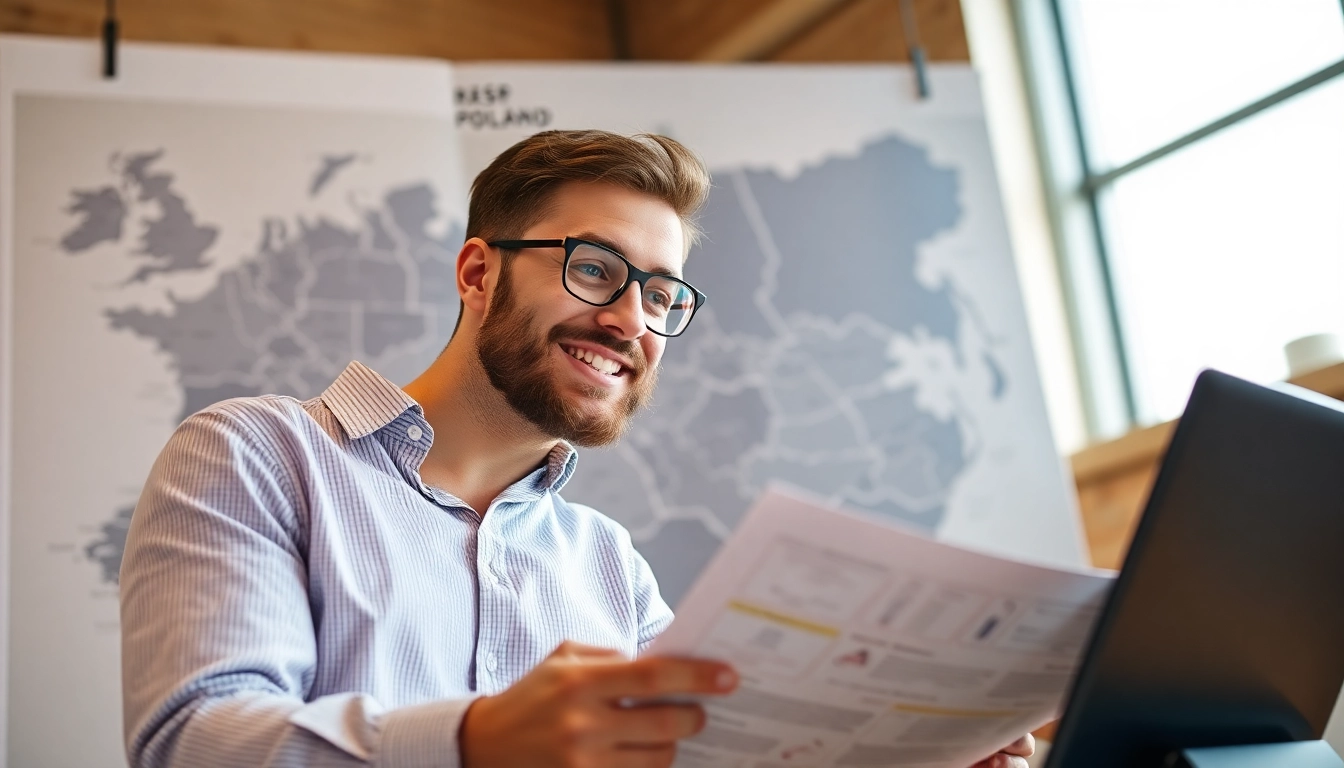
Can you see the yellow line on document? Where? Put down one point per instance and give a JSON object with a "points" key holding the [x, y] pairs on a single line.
{"points": [[781, 618], [919, 709]]}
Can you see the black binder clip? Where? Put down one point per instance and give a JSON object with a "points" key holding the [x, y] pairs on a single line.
{"points": [[110, 41], [917, 57]]}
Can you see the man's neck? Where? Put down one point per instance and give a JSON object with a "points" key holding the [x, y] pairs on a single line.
{"points": [[481, 444]]}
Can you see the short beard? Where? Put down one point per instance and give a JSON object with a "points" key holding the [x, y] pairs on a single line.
{"points": [[516, 359]]}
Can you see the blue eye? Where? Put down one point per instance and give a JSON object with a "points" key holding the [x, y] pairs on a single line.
{"points": [[591, 270]]}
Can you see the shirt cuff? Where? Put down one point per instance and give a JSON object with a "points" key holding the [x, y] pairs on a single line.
{"points": [[422, 736]]}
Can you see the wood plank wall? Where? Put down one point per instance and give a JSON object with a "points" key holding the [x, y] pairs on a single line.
{"points": [[452, 29], [792, 30], [685, 30]]}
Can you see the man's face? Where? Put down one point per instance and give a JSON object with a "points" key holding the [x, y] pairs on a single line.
{"points": [[535, 338]]}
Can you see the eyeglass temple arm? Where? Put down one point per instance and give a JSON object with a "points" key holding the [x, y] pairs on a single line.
{"points": [[514, 244]]}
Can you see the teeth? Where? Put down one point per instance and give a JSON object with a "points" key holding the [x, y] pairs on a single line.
{"points": [[598, 362]]}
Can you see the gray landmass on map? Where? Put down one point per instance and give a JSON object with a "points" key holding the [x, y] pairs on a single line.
{"points": [[315, 295], [331, 165], [102, 212], [107, 549], [998, 379], [849, 229], [678, 554], [172, 241]]}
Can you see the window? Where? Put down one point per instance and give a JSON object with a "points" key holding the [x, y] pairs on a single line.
{"points": [[1196, 160]]}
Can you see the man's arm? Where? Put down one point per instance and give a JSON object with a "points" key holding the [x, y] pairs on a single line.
{"points": [[218, 646], [653, 613]]}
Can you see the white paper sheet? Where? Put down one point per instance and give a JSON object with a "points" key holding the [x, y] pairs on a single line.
{"points": [[860, 644]]}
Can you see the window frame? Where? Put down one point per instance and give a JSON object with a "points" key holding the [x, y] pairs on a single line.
{"points": [[1074, 185]]}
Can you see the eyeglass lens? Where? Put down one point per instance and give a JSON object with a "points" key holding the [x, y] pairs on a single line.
{"points": [[595, 275]]}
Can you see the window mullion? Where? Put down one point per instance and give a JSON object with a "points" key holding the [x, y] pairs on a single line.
{"points": [[1075, 222]]}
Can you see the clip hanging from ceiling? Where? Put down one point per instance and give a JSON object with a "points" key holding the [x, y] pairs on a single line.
{"points": [[917, 58], [110, 41]]}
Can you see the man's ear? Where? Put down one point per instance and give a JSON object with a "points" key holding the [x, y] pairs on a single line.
{"points": [[477, 265]]}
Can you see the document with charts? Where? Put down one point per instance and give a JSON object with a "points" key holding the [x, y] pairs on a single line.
{"points": [[860, 644]]}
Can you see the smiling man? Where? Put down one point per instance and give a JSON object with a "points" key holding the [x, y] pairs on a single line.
{"points": [[388, 576]]}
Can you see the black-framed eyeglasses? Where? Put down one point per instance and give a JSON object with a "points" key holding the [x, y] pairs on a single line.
{"points": [[597, 275]]}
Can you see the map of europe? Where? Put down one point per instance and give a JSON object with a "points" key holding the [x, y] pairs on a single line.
{"points": [[788, 374]]}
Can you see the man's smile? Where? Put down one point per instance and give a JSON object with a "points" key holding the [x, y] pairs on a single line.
{"points": [[595, 367]]}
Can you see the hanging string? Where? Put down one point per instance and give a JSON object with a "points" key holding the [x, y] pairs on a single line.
{"points": [[917, 57], [110, 40]]}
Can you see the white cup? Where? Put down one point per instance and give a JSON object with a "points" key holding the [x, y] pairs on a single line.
{"points": [[1313, 352]]}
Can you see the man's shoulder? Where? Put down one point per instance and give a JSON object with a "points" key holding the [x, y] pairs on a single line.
{"points": [[254, 408], [586, 518], [258, 417]]}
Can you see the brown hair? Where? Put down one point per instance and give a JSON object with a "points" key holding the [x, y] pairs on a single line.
{"points": [[513, 192]]}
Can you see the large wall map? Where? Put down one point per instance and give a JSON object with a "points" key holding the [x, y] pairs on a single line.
{"points": [[863, 338]]}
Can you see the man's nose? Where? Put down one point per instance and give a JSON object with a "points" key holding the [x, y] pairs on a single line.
{"points": [[624, 317]]}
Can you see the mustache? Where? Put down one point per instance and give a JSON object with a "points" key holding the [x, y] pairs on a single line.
{"points": [[623, 347]]}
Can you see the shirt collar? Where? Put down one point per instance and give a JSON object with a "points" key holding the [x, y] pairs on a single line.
{"points": [[560, 464], [365, 402]]}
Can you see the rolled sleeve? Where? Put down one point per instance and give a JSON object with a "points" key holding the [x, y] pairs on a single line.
{"points": [[415, 737]]}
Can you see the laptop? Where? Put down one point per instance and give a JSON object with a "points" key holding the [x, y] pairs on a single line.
{"points": [[1225, 626]]}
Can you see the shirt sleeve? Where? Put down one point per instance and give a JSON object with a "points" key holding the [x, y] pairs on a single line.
{"points": [[219, 651], [654, 613]]}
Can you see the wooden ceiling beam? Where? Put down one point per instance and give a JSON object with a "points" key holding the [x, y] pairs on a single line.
{"points": [[770, 29], [718, 30], [872, 31]]}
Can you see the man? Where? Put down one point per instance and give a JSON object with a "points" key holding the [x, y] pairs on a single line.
{"points": [[389, 577]]}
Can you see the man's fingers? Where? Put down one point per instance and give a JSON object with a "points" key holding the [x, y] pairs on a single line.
{"points": [[580, 652], [656, 676], [1023, 747], [1012, 756], [656, 724], [1002, 760]]}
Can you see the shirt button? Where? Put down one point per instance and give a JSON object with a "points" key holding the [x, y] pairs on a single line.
{"points": [[414, 432], [491, 663]]}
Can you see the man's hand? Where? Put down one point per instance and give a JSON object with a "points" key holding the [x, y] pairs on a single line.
{"points": [[567, 712], [1012, 756]]}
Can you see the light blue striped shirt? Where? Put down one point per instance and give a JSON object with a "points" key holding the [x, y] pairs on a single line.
{"points": [[293, 594]]}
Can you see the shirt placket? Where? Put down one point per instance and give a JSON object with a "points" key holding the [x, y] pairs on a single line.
{"points": [[496, 600]]}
